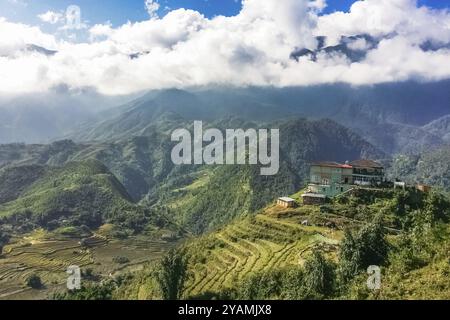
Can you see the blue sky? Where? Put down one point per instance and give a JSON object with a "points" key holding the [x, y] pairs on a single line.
{"points": [[120, 11]]}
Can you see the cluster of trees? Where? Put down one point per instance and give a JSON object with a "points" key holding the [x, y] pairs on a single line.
{"points": [[428, 167], [316, 280], [359, 251]]}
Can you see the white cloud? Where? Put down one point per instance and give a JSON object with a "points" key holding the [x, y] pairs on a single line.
{"points": [[382, 17], [184, 48], [152, 7], [51, 17], [15, 36]]}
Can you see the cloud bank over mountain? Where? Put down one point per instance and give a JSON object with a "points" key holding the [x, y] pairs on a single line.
{"points": [[397, 41]]}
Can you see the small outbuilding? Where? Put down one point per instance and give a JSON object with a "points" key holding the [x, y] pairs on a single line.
{"points": [[400, 184], [286, 202], [313, 198], [423, 188]]}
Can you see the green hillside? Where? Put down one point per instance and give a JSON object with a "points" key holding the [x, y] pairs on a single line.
{"points": [[143, 166], [432, 168], [80, 193], [14, 180], [210, 197], [256, 257]]}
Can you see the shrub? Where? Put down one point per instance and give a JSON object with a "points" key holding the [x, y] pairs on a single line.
{"points": [[34, 281], [4, 239], [120, 260]]}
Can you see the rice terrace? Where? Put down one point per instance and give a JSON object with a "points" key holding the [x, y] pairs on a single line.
{"points": [[49, 257]]}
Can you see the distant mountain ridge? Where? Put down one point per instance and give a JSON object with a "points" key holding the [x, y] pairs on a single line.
{"points": [[440, 128], [390, 116]]}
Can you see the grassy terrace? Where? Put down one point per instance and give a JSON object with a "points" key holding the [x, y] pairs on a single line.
{"points": [[266, 242]]}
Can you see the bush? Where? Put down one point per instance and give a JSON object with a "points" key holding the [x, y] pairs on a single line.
{"points": [[120, 260], [34, 281], [261, 286], [95, 292], [4, 239]]}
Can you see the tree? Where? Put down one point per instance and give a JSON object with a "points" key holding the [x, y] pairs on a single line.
{"points": [[372, 245], [4, 239], [368, 247], [172, 274], [261, 286], [34, 281], [438, 207], [319, 276], [348, 257]]}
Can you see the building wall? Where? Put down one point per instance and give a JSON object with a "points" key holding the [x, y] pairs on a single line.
{"points": [[285, 204], [367, 176], [313, 201], [330, 181], [330, 175], [330, 190]]}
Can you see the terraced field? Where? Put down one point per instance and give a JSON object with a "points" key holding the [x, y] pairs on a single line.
{"points": [[252, 245], [49, 258]]}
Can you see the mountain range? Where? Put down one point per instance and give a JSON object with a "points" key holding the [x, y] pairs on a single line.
{"points": [[109, 174]]}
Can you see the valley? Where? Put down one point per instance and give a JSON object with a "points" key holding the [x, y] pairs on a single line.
{"points": [[109, 199], [236, 150]]}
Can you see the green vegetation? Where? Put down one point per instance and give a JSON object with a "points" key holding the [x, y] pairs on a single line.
{"points": [[4, 238], [274, 256], [73, 199], [136, 168], [172, 274], [120, 260], [117, 207], [34, 282], [368, 247], [100, 292], [319, 277], [431, 167]]}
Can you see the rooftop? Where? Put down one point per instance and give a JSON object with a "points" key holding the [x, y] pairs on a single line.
{"points": [[313, 195], [366, 164], [332, 165], [286, 199], [355, 164]]}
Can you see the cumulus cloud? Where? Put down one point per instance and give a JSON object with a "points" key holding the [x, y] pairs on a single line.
{"points": [[255, 47], [152, 7], [51, 17], [15, 36]]}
